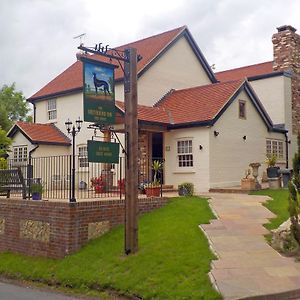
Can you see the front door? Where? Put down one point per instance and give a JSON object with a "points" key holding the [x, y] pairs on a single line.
{"points": [[157, 149]]}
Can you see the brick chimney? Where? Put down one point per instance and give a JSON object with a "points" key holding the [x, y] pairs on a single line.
{"points": [[286, 47]]}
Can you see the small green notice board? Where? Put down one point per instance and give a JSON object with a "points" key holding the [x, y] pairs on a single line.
{"points": [[104, 152]]}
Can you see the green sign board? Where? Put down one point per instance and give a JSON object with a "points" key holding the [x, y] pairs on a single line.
{"points": [[98, 92], [104, 152]]}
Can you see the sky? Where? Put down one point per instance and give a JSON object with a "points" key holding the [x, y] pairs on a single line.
{"points": [[37, 36]]}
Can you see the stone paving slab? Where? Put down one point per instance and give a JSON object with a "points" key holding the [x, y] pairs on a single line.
{"points": [[247, 266]]}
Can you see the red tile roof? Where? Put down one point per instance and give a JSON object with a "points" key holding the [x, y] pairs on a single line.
{"points": [[41, 133], [71, 79], [198, 104], [245, 72], [149, 114]]}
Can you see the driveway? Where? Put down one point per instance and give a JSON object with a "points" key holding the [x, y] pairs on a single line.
{"points": [[247, 265]]}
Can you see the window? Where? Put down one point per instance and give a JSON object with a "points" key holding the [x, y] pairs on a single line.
{"points": [[83, 157], [185, 153], [242, 109], [52, 114], [20, 153], [274, 147]]}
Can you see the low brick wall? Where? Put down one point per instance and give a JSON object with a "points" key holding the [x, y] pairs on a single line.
{"points": [[56, 229]]}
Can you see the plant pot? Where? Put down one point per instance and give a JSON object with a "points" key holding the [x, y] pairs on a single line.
{"points": [[153, 191], [36, 196], [273, 172], [286, 176], [248, 184]]}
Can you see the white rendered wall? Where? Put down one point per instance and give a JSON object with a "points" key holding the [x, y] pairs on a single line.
{"points": [[230, 155], [276, 96], [199, 173]]}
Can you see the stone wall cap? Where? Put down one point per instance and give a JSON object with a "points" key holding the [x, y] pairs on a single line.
{"points": [[286, 27]]}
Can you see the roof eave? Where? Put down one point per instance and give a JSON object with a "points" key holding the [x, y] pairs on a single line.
{"points": [[37, 142], [57, 94], [270, 75], [205, 123]]}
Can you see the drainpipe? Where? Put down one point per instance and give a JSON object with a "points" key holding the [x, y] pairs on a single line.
{"points": [[287, 142], [34, 113]]}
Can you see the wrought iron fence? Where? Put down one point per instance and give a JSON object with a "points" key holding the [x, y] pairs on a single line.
{"points": [[92, 180]]}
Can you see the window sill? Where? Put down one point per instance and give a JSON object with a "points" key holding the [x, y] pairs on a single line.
{"points": [[192, 171]]}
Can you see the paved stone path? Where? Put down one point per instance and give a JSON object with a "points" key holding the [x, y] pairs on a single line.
{"points": [[247, 265]]}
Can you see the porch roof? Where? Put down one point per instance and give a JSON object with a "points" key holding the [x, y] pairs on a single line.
{"points": [[148, 114]]}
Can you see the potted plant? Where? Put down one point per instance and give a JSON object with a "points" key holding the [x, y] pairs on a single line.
{"points": [[36, 191], [272, 170], [153, 189], [186, 189], [248, 183], [98, 184]]}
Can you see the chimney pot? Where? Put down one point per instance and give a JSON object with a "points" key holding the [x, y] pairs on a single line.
{"points": [[286, 27]]}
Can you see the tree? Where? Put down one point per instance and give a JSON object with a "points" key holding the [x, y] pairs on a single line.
{"points": [[13, 106], [4, 142]]}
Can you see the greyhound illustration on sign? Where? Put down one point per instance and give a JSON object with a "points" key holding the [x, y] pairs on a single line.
{"points": [[100, 83], [99, 93]]}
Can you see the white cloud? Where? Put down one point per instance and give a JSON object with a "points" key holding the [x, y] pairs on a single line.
{"points": [[37, 36]]}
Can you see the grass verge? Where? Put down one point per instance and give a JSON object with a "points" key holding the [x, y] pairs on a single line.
{"points": [[278, 205], [172, 262]]}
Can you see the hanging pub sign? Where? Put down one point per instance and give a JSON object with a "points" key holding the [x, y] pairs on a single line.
{"points": [[98, 92], [104, 152]]}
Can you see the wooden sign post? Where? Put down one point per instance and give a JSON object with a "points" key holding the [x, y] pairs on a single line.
{"points": [[100, 116], [131, 140]]}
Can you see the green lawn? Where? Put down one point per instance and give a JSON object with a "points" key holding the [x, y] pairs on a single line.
{"points": [[172, 262], [278, 205]]}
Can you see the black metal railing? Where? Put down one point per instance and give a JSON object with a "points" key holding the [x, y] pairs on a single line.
{"points": [[92, 180]]}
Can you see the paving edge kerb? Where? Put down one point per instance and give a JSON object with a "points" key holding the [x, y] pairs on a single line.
{"points": [[288, 295], [210, 275]]}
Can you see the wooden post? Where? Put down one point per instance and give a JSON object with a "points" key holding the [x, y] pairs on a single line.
{"points": [[131, 171]]}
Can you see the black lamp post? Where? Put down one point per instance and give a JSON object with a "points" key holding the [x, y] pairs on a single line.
{"points": [[73, 130]]}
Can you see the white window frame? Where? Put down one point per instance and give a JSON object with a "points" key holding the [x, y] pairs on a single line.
{"points": [[51, 109], [275, 147], [83, 156], [20, 153], [185, 158]]}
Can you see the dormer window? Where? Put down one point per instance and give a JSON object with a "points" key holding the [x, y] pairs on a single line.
{"points": [[51, 109]]}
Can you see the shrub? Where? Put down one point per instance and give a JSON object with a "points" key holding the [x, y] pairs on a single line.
{"points": [[3, 163], [187, 188], [271, 160], [294, 187]]}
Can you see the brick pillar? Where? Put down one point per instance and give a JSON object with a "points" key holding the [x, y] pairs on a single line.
{"points": [[144, 156], [286, 47]]}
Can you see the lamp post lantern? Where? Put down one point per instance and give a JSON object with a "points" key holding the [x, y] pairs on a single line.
{"points": [[73, 131]]}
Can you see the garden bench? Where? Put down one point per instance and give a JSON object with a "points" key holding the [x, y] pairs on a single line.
{"points": [[12, 180]]}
